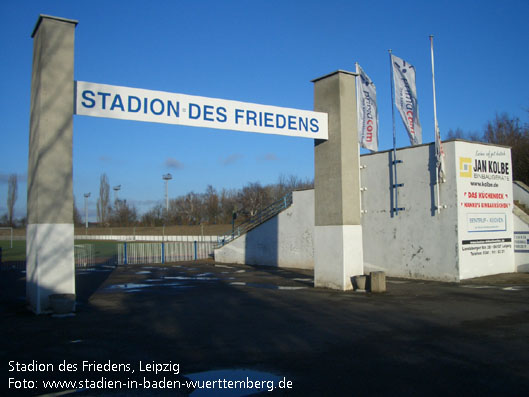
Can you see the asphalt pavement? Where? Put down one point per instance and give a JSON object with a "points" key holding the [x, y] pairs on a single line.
{"points": [[142, 325]]}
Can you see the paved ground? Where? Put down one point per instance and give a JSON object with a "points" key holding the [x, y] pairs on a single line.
{"points": [[419, 338]]}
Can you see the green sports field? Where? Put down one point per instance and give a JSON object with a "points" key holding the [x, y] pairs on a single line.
{"points": [[17, 253], [102, 249]]}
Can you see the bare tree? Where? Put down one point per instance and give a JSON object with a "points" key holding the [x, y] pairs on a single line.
{"points": [[508, 131], [154, 217], [219, 207], [103, 202], [77, 220], [504, 130], [12, 194], [211, 200], [228, 205], [176, 209], [458, 133], [193, 208], [253, 198], [287, 184], [123, 214]]}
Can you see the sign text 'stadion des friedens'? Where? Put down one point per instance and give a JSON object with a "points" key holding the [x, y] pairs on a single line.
{"points": [[101, 100]]}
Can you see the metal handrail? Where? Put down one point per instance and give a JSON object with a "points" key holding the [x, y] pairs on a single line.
{"points": [[258, 219]]}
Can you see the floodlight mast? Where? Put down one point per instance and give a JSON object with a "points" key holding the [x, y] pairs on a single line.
{"points": [[86, 195], [167, 178], [116, 189]]}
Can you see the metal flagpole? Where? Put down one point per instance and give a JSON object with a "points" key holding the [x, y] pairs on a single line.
{"points": [[357, 80], [437, 135], [358, 84], [433, 84], [395, 161]]}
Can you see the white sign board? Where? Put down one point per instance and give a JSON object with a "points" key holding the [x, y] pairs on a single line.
{"points": [[485, 226], [521, 242], [101, 100]]}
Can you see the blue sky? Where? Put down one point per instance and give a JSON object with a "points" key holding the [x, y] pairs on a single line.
{"points": [[254, 51]]}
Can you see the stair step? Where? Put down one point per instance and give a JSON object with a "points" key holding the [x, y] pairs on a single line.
{"points": [[259, 218]]}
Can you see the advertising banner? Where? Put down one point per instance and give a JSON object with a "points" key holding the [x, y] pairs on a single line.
{"points": [[406, 98], [485, 201], [102, 100], [367, 111]]}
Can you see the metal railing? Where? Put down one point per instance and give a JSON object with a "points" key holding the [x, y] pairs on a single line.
{"points": [[258, 219], [84, 255], [135, 253]]}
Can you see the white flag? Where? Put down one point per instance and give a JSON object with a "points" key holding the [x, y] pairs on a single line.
{"points": [[406, 98], [439, 152], [439, 155], [367, 111]]}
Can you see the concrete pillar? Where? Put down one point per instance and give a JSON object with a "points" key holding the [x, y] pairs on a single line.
{"points": [[50, 233], [338, 252]]}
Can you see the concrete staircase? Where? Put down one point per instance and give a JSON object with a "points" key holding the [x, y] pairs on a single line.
{"points": [[258, 219]]}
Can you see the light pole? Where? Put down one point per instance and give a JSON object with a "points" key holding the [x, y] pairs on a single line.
{"points": [[116, 189], [167, 178], [86, 195]]}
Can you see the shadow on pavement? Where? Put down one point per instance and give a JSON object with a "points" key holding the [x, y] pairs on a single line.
{"points": [[419, 338]]}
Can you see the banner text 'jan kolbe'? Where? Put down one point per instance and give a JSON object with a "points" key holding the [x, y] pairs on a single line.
{"points": [[101, 100]]}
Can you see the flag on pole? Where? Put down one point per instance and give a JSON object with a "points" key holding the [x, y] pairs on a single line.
{"points": [[406, 98], [367, 111], [439, 155], [439, 152]]}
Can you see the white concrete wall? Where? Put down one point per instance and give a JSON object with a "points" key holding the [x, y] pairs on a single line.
{"points": [[283, 241], [416, 243]]}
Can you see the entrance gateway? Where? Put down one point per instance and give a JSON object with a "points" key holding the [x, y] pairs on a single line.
{"points": [[56, 97]]}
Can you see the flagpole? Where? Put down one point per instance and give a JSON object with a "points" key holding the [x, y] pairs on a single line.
{"points": [[392, 106], [394, 162], [433, 84], [357, 80], [436, 131]]}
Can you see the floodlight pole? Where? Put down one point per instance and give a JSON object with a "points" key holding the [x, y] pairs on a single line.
{"points": [[167, 178], [86, 195], [116, 189]]}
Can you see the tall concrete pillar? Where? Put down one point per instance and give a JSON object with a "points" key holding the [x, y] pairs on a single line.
{"points": [[338, 252], [50, 233]]}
